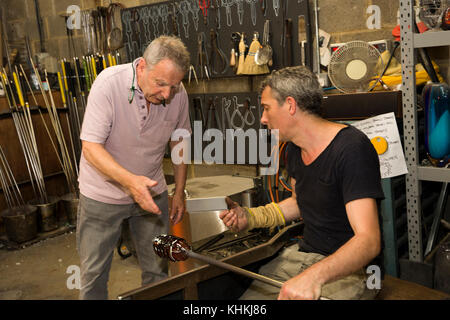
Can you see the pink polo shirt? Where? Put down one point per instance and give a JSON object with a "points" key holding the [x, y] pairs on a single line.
{"points": [[135, 138]]}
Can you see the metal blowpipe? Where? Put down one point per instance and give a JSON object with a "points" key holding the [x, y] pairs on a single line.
{"points": [[177, 249]]}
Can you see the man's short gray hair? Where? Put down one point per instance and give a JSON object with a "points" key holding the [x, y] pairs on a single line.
{"points": [[168, 47], [299, 83]]}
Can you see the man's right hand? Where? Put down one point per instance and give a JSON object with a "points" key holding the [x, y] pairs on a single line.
{"points": [[139, 187], [235, 217]]}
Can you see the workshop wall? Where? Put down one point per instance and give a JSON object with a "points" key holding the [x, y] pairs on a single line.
{"points": [[344, 20]]}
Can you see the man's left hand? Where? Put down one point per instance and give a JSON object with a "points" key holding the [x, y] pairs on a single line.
{"points": [[177, 209]]}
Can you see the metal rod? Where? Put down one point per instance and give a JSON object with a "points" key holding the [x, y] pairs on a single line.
{"points": [[316, 18], [12, 105], [11, 177], [238, 270], [235, 269]]}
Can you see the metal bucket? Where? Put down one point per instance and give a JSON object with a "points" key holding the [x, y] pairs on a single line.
{"points": [[47, 214], [20, 223], [70, 204]]}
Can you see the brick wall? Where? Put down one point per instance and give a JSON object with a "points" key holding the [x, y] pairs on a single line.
{"points": [[344, 20]]}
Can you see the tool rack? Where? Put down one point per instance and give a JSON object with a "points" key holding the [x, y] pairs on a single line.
{"points": [[186, 19], [417, 173]]}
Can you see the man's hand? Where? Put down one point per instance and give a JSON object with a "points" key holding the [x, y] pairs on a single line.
{"points": [[139, 187], [235, 217], [177, 209], [304, 286]]}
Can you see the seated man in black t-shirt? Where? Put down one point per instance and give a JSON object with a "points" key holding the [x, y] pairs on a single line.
{"points": [[335, 176]]}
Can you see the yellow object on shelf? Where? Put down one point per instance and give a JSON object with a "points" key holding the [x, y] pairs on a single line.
{"points": [[393, 75]]}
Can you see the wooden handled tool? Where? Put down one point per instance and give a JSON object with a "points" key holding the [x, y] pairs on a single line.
{"points": [[302, 38]]}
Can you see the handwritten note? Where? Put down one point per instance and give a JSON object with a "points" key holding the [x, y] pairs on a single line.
{"points": [[392, 162]]}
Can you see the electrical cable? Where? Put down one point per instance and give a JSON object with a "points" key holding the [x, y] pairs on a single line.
{"points": [[397, 44]]}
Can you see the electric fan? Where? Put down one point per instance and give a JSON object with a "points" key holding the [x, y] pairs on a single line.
{"points": [[355, 67]]}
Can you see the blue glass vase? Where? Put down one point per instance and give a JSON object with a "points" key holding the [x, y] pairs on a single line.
{"points": [[437, 123]]}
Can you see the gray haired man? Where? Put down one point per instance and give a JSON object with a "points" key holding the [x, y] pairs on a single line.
{"points": [[131, 113]]}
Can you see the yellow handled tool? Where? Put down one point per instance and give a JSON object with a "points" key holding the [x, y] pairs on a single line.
{"points": [[19, 90], [61, 88]]}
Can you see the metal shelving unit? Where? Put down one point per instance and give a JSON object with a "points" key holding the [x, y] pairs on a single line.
{"points": [[416, 172]]}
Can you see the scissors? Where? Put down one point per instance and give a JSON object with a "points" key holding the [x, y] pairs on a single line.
{"points": [[204, 5]]}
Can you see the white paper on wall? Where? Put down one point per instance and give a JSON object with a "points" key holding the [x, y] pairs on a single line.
{"points": [[392, 162]]}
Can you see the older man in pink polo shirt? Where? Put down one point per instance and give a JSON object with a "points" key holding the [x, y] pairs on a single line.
{"points": [[131, 113]]}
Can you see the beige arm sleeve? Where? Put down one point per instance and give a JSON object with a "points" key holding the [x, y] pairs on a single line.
{"points": [[268, 216]]}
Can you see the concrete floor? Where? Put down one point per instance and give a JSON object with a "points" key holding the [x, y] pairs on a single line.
{"points": [[39, 271]]}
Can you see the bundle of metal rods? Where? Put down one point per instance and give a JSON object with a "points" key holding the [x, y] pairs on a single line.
{"points": [[68, 164], [20, 111], [11, 191], [75, 80]]}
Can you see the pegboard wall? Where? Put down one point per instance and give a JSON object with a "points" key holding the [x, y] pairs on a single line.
{"points": [[225, 111], [197, 23]]}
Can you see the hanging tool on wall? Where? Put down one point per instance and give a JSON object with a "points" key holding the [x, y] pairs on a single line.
{"points": [[80, 84], [228, 4], [198, 111], [240, 10], [305, 33], [164, 15], [39, 24], [202, 60], [302, 38], [250, 67], [183, 8], [240, 67], [70, 42], [249, 117], [288, 42], [263, 4], [264, 53], [316, 21], [103, 12], [216, 8], [252, 4], [173, 13], [218, 60], [192, 72], [276, 7], [6, 44], [194, 9], [234, 54], [115, 37], [213, 116], [138, 45], [204, 6]]}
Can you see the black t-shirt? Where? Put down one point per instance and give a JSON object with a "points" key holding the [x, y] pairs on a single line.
{"points": [[348, 169]]}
